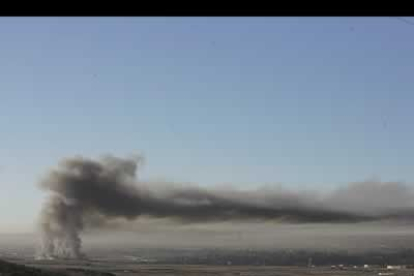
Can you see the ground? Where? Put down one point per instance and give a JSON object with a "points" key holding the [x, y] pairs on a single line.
{"points": [[107, 268]]}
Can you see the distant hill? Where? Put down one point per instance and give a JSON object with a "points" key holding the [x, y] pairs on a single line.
{"points": [[11, 269]]}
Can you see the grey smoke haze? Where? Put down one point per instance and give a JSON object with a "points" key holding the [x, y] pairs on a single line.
{"points": [[94, 193], [146, 233]]}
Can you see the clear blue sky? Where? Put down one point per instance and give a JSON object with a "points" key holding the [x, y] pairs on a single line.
{"points": [[307, 102]]}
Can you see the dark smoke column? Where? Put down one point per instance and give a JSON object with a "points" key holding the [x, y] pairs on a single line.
{"points": [[78, 187]]}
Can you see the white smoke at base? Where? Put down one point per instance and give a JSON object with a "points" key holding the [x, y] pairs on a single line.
{"points": [[60, 224]]}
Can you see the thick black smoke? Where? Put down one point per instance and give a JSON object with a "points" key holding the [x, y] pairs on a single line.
{"points": [[90, 193]]}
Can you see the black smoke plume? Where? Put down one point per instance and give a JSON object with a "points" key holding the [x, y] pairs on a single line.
{"points": [[90, 193]]}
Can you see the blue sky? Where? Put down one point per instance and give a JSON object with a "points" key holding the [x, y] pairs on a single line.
{"points": [[307, 102]]}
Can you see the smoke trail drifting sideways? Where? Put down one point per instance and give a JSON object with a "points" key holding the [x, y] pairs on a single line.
{"points": [[85, 192]]}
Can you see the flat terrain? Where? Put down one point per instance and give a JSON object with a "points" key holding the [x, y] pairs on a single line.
{"points": [[107, 268]]}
